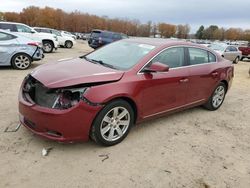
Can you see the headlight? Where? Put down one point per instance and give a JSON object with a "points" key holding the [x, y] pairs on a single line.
{"points": [[68, 98]]}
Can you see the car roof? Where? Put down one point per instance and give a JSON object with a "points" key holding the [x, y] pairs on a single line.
{"points": [[3, 22], [43, 28]]}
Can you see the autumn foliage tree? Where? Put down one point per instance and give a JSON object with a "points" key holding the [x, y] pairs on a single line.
{"points": [[166, 30]]}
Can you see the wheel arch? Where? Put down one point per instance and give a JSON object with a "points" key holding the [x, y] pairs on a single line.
{"points": [[128, 100], [48, 40], [226, 84], [20, 53]]}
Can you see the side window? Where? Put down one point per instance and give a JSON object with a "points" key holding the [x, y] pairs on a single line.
{"points": [[197, 56], [23, 29], [106, 35], [38, 30], [233, 49], [5, 36], [8, 27], [173, 57], [116, 36], [211, 57]]}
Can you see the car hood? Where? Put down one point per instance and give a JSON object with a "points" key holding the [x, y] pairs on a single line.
{"points": [[74, 72]]}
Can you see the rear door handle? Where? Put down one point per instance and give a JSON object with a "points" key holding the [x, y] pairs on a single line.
{"points": [[184, 80]]}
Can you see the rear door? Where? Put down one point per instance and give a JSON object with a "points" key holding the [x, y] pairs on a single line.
{"points": [[202, 74], [8, 45], [231, 53]]}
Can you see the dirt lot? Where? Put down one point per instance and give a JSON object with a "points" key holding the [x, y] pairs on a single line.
{"points": [[193, 148]]}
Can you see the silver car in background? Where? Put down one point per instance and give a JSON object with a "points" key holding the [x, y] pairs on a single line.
{"points": [[18, 51], [229, 52]]}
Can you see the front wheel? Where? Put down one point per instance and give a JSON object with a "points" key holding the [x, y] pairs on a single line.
{"points": [[217, 98], [113, 123], [68, 44]]}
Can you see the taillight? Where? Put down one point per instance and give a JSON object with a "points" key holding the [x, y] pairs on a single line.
{"points": [[100, 40], [34, 43]]}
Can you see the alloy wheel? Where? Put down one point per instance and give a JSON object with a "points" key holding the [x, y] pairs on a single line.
{"points": [[115, 124], [22, 62], [218, 96], [47, 47]]}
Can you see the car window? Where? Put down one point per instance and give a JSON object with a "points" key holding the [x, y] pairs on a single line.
{"points": [[45, 30], [23, 29], [8, 27], [38, 30], [211, 57], [173, 57], [122, 55], [106, 35], [5, 36], [95, 34], [197, 56], [233, 49], [57, 33], [116, 36]]}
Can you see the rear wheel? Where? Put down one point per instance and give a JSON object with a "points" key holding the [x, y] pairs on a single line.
{"points": [[21, 61], [48, 46], [217, 98], [113, 123], [237, 59], [68, 44]]}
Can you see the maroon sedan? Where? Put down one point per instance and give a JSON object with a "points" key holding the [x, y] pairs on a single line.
{"points": [[103, 94]]}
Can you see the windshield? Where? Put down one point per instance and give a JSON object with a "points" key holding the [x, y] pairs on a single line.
{"points": [[218, 47], [121, 55]]}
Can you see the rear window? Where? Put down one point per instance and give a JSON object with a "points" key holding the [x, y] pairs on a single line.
{"points": [[95, 34]]}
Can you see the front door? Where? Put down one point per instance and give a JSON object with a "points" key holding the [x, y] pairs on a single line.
{"points": [[165, 91]]}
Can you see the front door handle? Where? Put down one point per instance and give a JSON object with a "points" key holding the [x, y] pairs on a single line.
{"points": [[184, 80], [214, 74]]}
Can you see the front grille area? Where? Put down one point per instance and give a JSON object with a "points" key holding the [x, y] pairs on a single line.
{"points": [[36, 92]]}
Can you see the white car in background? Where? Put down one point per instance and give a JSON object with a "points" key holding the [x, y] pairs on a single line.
{"points": [[49, 41], [66, 33], [63, 40]]}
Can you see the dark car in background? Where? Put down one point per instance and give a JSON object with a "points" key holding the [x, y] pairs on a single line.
{"points": [[99, 38]]}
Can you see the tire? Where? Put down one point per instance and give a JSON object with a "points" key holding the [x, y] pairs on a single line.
{"points": [[48, 46], [237, 59], [21, 61], [217, 98], [107, 128], [242, 58], [68, 44]]}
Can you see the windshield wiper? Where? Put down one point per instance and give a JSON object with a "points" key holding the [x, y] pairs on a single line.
{"points": [[99, 62]]}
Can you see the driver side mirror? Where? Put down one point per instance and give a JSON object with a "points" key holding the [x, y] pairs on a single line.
{"points": [[156, 67], [33, 31]]}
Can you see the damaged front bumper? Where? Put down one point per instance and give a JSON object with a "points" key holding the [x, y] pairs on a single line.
{"points": [[65, 125]]}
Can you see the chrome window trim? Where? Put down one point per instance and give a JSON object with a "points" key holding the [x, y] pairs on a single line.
{"points": [[183, 46]]}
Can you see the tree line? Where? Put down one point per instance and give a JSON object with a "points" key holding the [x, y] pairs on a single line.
{"points": [[77, 21], [213, 32], [83, 22]]}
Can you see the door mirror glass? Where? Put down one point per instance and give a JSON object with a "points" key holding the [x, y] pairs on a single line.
{"points": [[156, 67]]}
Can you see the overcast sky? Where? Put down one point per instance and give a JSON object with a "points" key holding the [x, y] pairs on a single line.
{"points": [[225, 13]]}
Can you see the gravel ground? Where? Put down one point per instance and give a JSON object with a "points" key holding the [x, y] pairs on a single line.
{"points": [[192, 148]]}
